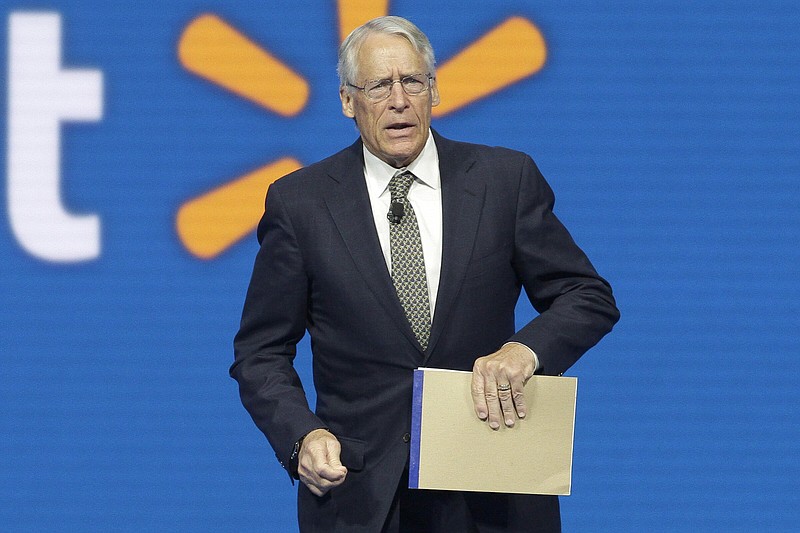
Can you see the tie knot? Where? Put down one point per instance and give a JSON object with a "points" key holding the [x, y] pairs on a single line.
{"points": [[400, 184]]}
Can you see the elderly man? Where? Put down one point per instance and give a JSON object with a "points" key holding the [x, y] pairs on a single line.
{"points": [[405, 249]]}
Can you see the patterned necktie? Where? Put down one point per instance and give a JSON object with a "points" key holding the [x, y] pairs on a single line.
{"points": [[408, 263]]}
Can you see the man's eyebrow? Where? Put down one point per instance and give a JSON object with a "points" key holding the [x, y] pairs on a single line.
{"points": [[400, 76]]}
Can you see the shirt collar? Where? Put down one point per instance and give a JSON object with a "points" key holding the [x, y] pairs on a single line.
{"points": [[425, 167]]}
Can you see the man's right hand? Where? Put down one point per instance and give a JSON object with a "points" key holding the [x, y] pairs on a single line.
{"points": [[318, 464]]}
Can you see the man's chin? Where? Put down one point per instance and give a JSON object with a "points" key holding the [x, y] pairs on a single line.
{"points": [[401, 160], [403, 153]]}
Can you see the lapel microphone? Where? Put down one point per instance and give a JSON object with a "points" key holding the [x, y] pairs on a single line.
{"points": [[396, 212]]}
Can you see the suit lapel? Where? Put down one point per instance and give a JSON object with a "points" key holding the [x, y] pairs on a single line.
{"points": [[348, 202], [462, 202]]}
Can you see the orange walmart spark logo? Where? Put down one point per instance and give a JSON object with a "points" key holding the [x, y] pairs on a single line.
{"points": [[212, 49]]}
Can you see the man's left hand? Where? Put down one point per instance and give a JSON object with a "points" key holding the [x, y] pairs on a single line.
{"points": [[498, 380]]}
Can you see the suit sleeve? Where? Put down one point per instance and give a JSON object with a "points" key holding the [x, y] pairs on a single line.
{"points": [[273, 322], [576, 306]]}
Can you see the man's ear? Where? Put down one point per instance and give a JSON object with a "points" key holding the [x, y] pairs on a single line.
{"points": [[434, 93], [347, 102]]}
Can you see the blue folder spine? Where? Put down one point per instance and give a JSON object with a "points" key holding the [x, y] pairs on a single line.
{"points": [[416, 426]]}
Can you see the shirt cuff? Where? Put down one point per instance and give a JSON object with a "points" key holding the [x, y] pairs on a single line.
{"points": [[533, 354]]}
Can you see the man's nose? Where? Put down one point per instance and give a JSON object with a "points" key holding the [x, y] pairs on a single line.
{"points": [[398, 99]]}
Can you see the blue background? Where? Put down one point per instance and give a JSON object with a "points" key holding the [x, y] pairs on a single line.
{"points": [[670, 132]]}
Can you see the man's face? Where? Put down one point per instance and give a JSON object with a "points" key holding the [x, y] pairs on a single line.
{"points": [[394, 129]]}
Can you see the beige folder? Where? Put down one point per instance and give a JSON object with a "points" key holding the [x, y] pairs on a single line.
{"points": [[451, 449]]}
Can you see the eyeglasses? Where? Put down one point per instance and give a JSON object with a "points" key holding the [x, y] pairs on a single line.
{"points": [[381, 89]]}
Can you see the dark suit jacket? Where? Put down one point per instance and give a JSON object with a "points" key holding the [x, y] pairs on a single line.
{"points": [[320, 268]]}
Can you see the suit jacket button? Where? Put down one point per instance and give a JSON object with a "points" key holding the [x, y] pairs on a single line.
{"points": [[406, 437]]}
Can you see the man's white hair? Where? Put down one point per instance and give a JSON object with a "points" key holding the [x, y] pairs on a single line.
{"points": [[347, 66]]}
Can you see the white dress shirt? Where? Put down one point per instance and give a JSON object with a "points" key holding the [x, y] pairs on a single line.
{"points": [[425, 196]]}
